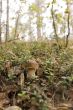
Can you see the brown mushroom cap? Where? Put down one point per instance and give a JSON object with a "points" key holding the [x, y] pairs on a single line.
{"points": [[32, 67], [32, 64]]}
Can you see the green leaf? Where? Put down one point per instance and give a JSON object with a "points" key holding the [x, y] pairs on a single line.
{"points": [[54, 1], [67, 11], [59, 17], [34, 8], [48, 5]]}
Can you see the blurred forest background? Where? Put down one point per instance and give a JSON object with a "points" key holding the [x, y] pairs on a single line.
{"points": [[36, 20]]}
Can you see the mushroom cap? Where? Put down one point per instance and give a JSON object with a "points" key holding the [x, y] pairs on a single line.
{"points": [[32, 64], [13, 108]]}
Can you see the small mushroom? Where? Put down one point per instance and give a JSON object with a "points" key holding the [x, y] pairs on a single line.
{"points": [[32, 67]]}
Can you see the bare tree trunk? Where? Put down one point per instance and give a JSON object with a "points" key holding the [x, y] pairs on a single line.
{"points": [[38, 29], [31, 38], [17, 23], [7, 21], [16, 26], [54, 25], [68, 24], [38, 20], [0, 19]]}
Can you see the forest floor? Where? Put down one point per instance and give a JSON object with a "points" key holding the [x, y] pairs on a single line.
{"points": [[51, 90]]}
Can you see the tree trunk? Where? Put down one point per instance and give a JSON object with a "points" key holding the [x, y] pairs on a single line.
{"points": [[0, 19], [31, 38], [54, 25], [7, 21], [68, 23], [37, 22], [16, 26], [38, 28]]}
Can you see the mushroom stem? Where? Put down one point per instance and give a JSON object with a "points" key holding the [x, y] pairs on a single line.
{"points": [[22, 81]]}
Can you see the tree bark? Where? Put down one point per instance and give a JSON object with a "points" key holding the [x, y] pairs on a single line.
{"points": [[7, 21], [54, 25], [68, 24], [38, 15], [31, 37], [0, 19], [16, 26]]}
